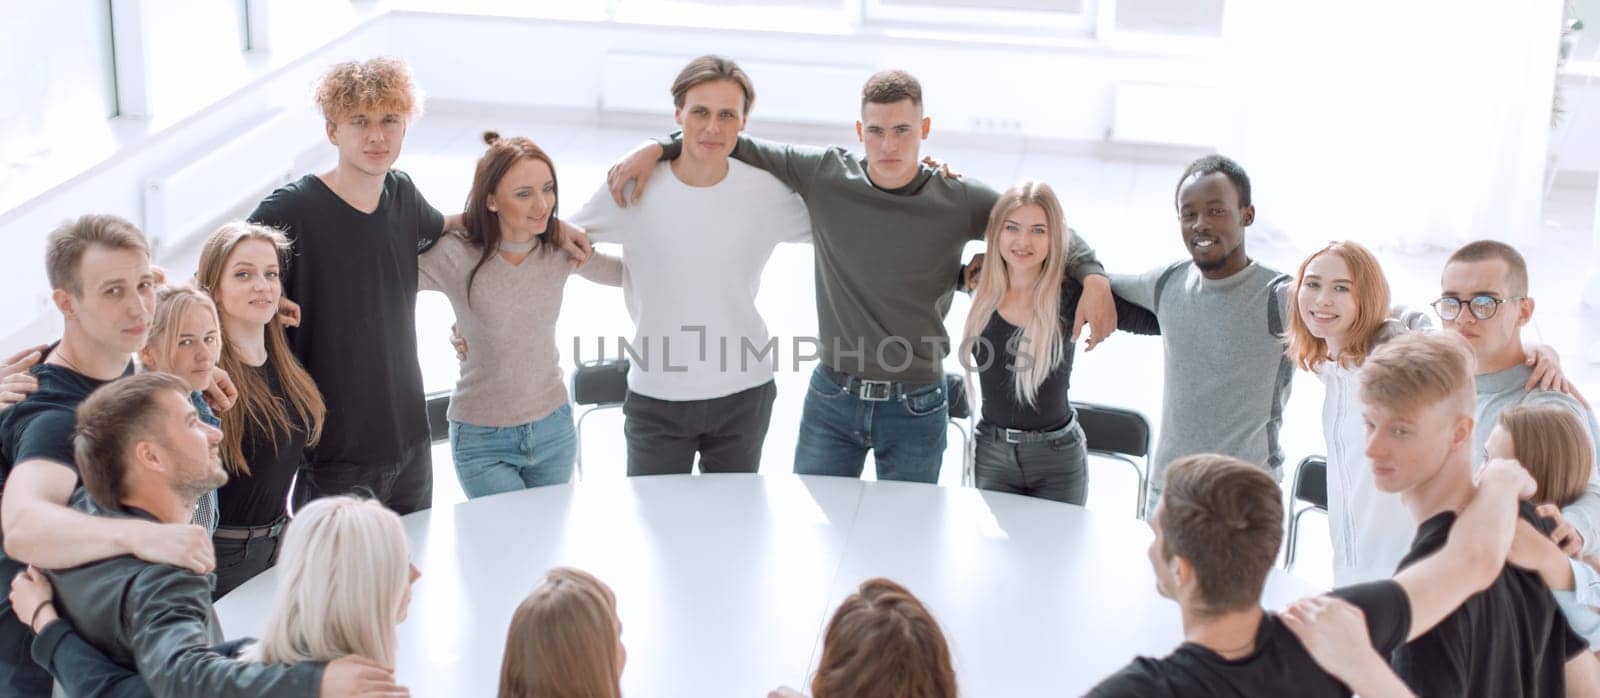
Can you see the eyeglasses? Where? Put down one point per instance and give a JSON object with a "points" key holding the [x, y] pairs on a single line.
{"points": [[1483, 306]]}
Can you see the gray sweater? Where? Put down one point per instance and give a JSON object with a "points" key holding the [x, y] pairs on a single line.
{"points": [[886, 261], [512, 374], [1227, 370]]}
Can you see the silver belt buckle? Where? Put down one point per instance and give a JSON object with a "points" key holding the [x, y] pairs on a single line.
{"points": [[875, 391], [1011, 438]]}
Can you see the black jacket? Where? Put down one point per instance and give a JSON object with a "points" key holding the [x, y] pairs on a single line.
{"points": [[158, 620]]}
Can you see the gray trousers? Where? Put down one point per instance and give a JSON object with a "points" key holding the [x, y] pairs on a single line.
{"points": [[1057, 469], [727, 432]]}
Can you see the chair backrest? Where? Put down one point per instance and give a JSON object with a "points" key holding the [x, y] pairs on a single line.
{"points": [[600, 382], [1311, 481], [438, 422], [1113, 429], [955, 392]]}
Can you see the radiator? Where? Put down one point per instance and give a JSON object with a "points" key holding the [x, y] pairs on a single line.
{"points": [[201, 192]]}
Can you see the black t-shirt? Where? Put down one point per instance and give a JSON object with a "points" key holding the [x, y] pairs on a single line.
{"points": [[996, 356], [354, 275], [41, 426], [257, 498], [1509, 640], [1280, 665]]}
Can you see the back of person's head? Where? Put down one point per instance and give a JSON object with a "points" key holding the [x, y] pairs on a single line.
{"points": [[1415, 371], [1044, 347], [376, 84], [564, 641], [65, 247], [711, 68], [1212, 164], [1487, 250], [1554, 445], [258, 407], [344, 579], [174, 304], [890, 86], [1225, 518], [114, 420], [883, 642], [1371, 291]]}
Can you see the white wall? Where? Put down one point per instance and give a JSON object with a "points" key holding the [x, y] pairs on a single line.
{"points": [[115, 185]]}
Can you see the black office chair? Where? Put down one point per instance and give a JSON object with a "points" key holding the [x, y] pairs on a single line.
{"points": [[438, 423], [597, 385], [955, 392], [1311, 487], [1120, 434]]}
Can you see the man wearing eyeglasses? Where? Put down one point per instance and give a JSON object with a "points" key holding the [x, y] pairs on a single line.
{"points": [[1485, 300]]}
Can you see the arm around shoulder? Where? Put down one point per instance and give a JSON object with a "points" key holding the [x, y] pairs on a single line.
{"points": [[169, 612]]}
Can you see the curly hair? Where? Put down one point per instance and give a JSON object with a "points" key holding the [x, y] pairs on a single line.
{"points": [[381, 83]]}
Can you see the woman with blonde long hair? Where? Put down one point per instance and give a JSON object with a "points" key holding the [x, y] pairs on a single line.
{"points": [[186, 341], [565, 641], [1018, 334], [280, 410], [344, 583]]}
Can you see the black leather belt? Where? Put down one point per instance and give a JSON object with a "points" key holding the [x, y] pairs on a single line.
{"points": [[1022, 436], [871, 390], [250, 533]]}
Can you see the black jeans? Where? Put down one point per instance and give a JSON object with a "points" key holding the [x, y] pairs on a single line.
{"points": [[405, 487], [239, 561], [664, 435], [1056, 469]]}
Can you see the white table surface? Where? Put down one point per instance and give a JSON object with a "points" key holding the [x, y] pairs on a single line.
{"points": [[725, 583]]}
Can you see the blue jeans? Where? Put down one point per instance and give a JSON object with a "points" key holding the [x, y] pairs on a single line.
{"points": [[906, 432], [491, 460]]}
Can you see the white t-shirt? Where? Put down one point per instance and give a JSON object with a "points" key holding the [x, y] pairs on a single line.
{"points": [[692, 259]]}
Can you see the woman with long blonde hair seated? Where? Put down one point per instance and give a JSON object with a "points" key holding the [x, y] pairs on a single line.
{"points": [[344, 583], [565, 640]]}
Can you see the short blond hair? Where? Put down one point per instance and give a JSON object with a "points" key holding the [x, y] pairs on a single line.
{"points": [[66, 245], [376, 83], [1418, 369]]}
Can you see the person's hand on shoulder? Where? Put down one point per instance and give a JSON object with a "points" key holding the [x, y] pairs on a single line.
{"points": [[636, 167], [18, 383], [351, 676]]}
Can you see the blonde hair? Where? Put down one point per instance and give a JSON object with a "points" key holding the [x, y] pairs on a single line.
{"points": [[563, 641], [1371, 291], [65, 246], [1415, 370], [1554, 445], [343, 572], [172, 302], [1040, 338], [265, 412], [377, 83]]}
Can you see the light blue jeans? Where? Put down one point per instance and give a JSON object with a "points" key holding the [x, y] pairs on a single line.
{"points": [[491, 460]]}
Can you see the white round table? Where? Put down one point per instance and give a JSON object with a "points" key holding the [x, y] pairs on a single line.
{"points": [[725, 583]]}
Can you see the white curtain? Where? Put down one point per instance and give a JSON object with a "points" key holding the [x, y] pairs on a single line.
{"points": [[1405, 124]]}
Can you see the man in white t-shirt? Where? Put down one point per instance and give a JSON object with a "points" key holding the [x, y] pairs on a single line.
{"points": [[694, 248]]}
